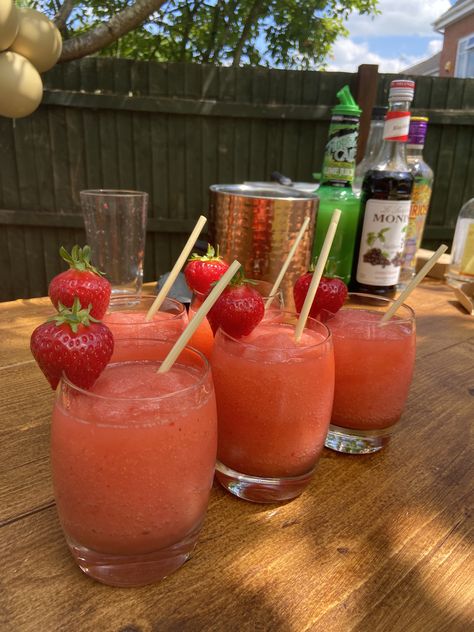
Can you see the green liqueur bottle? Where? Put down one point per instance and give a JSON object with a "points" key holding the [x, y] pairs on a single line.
{"points": [[335, 190]]}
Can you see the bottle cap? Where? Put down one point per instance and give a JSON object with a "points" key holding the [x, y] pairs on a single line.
{"points": [[379, 112], [347, 104], [417, 132], [401, 90]]}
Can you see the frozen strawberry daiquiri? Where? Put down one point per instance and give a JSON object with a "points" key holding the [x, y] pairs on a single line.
{"points": [[133, 462], [374, 369], [126, 319], [274, 399]]}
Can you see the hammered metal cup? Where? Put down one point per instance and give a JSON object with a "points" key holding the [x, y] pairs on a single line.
{"points": [[258, 224]]}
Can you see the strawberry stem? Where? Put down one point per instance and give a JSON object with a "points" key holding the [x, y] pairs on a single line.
{"points": [[239, 279], [211, 255], [79, 259], [74, 316]]}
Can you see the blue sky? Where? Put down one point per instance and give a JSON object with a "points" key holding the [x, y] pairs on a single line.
{"points": [[400, 37]]}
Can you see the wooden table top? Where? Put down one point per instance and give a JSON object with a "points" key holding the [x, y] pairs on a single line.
{"points": [[378, 542]]}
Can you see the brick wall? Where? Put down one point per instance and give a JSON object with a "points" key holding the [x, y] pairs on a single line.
{"points": [[453, 33]]}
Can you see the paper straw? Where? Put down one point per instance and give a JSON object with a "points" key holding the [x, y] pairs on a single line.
{"points": [[176, 268], [317, 274], [198, 317], [284, 268], [412, 285]]}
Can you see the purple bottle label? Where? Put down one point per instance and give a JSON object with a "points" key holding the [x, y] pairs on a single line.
{"points": [[417, 132]]}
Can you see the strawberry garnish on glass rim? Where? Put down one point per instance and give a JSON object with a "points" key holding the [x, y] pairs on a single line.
{"points": [[74, 343], [82, 280], [329, 298], [239, 308], [202, 271]]}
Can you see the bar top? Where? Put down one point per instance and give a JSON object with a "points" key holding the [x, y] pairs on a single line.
{"points": [[378, 542]]}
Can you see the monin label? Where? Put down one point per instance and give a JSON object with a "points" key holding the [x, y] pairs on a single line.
{"points": [[382, 242]]}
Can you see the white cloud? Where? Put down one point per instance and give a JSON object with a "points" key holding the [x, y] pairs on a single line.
{"points": [[347, 55], [434, 46], [400, 17]]}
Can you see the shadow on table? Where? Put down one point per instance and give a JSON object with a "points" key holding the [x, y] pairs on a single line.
{"points": [[406, 557]]}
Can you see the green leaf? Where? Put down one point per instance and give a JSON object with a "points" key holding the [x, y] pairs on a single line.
{"points": [[274, 33], [79, 259]]}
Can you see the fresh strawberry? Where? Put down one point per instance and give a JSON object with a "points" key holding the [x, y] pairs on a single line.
{"points": [[81, 280], [330, 296], [239, 308], [72, 342], [201, 271]]}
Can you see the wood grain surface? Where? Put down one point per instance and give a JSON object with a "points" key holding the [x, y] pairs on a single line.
{"points": [[380, 542]]}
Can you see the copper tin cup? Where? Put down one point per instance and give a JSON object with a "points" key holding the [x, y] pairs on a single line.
{"points": [[258, 225]]}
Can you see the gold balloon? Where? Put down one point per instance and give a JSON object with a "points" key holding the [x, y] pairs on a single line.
{"points": [[22, 88], [8, 23], [38, 39]]}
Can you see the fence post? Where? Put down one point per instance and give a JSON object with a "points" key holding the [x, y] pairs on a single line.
{"points": [[367, 81]]}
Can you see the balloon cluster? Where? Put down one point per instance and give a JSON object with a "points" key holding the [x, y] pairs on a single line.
{"points": [[30, 44]]}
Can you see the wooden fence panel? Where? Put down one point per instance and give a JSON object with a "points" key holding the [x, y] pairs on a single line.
{"points": [[174, 129]]}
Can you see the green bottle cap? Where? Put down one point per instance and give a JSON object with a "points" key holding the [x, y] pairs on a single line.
{"points": [[347, 104]]}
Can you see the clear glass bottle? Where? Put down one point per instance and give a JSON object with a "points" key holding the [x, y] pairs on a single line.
{"points": [[335, 190], [420, 197], [385, 201], [374, 141], [461, 269]]}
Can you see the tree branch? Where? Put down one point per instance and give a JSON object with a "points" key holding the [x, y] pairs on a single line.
{"points": [[252, 17], [189, 25], [213, 34], [63, 13], [107, 33]]}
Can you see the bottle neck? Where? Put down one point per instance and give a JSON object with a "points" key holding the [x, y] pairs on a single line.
{"points": [[374, 139], [414, 151], [392, 154]]}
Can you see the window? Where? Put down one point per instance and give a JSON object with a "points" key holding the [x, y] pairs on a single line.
{"points": [[465, 57]]}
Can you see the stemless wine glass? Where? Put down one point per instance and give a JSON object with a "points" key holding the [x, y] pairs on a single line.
{"points": [[274, 398], [115, 222], [133, 463], [374, 369]]}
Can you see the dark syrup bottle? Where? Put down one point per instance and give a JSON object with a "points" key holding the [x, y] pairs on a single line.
{"points": [[386, 193]]}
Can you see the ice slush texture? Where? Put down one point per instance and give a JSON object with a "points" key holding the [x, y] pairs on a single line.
{"points": [[132, 473], [274, 400]]}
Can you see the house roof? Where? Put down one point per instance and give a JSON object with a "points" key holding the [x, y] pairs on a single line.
{"points": [[427, 67], [458, 11]]}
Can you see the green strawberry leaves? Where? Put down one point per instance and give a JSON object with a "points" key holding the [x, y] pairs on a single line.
{"points": [[79, 259], [73, 316]]}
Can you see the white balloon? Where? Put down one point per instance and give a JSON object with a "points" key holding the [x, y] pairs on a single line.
{"points": [[8, 23], [38, 39], [21, 86]]}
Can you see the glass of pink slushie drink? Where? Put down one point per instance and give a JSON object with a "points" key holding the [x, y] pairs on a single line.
{"points": [[126, 319], [274, 400], [133, 463], [374, 369]]}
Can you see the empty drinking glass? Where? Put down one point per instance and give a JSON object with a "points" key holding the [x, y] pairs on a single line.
{"points": [[115, 222]]}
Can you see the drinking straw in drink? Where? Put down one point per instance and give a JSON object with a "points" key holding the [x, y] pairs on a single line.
{"points": [[176, 268], [317, 274], [284, 267], [198, 317], [412, 285]]}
